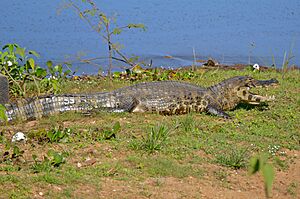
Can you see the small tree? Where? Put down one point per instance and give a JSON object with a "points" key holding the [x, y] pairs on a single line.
{"points": [[102, 24]]}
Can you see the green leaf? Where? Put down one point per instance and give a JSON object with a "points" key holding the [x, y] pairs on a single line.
{"points": [[254, 165], [81, 15], [139, 25], [104, 18], [3, 55], [49, 63], [58, 68], [40, 72], [51, 153], [21, 52], [16, 151], [269, 175], [117, 31], [3, 116], [10, 47], [117, 74], [116, 127], [31, 63], [34, 157], [67, 72], [32, 52]]}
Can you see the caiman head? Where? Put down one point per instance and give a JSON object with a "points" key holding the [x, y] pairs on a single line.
{"points": [[237, 90]]}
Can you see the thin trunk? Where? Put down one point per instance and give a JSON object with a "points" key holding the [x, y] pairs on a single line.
{"points": [[109, 51]]}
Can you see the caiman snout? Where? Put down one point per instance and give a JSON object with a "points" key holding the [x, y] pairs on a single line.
{"points": [[264, 83]]}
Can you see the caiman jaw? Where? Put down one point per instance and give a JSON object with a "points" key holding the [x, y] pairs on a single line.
{"points": [[252, 98]]}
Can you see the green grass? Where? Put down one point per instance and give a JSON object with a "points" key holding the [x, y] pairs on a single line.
{"points": [[132, 148]]}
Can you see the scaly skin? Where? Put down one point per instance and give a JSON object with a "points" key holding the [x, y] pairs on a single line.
{"points": [[3, 89], [165, 97]]}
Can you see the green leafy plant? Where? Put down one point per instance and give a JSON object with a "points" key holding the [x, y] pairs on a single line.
{"points": [[19, 66], [106, 28], [111, 133], [259, 163], [235, 158], [12, 152], [52, 160], [56, 75], [59, 134], [106, 133], [154, 74]]}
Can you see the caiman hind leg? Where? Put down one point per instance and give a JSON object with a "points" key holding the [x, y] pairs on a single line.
{"points": [[137, 107]]}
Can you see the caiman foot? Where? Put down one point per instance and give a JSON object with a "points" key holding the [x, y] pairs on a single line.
{"points": [[218, 112]]}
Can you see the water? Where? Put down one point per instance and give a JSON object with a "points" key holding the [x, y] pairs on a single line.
{"points": [[229, 31]]}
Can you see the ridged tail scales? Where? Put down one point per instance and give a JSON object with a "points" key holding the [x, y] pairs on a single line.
{"points": [[33, 108], [3, 90], [163, 97]]}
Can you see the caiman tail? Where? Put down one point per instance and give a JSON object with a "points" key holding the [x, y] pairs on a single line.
{"points": [[43, 106], [3, 90]]}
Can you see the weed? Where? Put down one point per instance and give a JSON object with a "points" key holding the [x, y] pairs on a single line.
{"points": [[54, 135], [293, 186], [221, 175], [156, 139], [235, 158], [188, 123], [111, 133], [286, 61], [59, 134], [52, 160], [97, 134], [11, 154], [259, 163]]}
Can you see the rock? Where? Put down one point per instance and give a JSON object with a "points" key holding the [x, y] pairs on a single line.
{"points": [[19, 136], [211, 63]]}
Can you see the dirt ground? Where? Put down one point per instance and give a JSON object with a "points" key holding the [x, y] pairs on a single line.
{"points": [[217, 182], [238, 184]]}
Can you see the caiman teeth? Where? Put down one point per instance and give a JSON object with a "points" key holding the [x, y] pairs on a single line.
{"points": [[271, 98]]}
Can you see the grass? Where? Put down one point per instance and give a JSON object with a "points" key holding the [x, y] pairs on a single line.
{"points": [[133, 148]]}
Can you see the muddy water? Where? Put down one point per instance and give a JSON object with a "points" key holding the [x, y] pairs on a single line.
{"points": [[231, 31]]}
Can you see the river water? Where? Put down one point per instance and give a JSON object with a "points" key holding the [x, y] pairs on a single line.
{"points": [[229, 31]]}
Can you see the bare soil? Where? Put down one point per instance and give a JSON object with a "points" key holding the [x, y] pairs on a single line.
{"points": [[235, 184]]}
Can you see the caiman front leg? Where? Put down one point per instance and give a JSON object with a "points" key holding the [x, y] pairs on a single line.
{"points": [[218, 112]]}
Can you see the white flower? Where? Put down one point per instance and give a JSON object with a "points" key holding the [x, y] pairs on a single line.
{"points": [[256, 67], [9, 63]]}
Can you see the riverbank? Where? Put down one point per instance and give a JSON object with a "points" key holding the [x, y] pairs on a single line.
{"points": [[112, 155]]}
